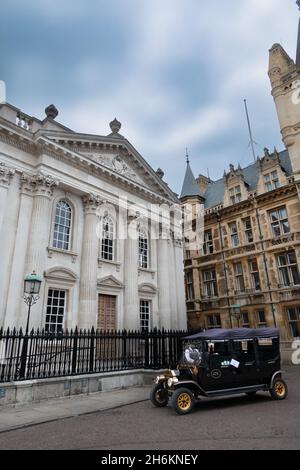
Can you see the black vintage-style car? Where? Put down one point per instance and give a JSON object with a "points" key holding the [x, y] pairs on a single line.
{"points": [[221, 362]]}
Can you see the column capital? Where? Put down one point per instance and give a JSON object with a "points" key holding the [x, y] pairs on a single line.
{"points": [[91, 202], [6, 174], [40, 184]]}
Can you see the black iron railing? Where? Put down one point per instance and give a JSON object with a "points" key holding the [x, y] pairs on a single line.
{"points": [[41, 354]]}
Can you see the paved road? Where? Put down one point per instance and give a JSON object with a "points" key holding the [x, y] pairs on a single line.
{"points": [[227, 423]]}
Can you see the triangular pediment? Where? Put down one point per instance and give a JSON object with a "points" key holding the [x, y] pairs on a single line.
{"points": [[117, 155], [110, 281]]}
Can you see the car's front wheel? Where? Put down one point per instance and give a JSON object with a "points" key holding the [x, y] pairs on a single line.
{"points": [[159, 395], [183, 401], [279, 390]]}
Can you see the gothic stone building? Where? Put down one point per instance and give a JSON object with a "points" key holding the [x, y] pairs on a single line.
{"points": [[247, 270], [61, 216]]}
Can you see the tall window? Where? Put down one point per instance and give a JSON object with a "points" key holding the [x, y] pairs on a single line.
{"points": [[145, 312], [248, 230], [288, 268], [271, 181], [245, 320], [254, 273], [239, 277], [208, 246], [294, 321], [190, 286], [279, 222], [235, 241], [261, 319], [107, 241], [214, 321], [56, 308], [143, 250], [62, 226], [210, 283], [235, 195]]}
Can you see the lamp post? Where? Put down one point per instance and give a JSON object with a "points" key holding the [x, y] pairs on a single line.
{"points": [[32, 285], [236, 313]]}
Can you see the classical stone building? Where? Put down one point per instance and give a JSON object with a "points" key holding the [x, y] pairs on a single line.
{"points": [[67, 204], [246, 271]]}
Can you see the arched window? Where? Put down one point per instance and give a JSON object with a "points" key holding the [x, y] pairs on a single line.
{"points": [[143, 249], [107, 240], [62, 226]]}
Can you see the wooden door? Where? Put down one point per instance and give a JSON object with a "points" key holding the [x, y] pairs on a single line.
{"points": [[107, 313]]}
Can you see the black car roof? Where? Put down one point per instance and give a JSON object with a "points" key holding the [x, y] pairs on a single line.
{"points": [[235, 334]]}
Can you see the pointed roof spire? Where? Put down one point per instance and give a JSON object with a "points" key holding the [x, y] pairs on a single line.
{"points": [[187, 153], [298, 41], [190, 187]]}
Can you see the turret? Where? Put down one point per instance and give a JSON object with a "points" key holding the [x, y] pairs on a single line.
{"points": [[284, 75]]}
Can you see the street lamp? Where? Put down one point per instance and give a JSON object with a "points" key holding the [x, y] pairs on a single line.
{"points": [[236, 312], [32, 285]]}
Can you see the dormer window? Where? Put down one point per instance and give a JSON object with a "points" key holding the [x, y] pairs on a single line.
{"points": [[235, 195], [271, 181]]}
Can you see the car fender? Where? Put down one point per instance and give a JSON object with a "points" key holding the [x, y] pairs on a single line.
{"points": [[279, 372], [188, 384]]}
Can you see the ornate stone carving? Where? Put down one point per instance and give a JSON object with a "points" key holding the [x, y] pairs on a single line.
{"points": [[91, 202], [118, 165], [39, 184], [6, 174]]}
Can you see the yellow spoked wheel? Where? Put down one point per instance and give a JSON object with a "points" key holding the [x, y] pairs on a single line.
{"points": [[183, 401], [279, 390]]}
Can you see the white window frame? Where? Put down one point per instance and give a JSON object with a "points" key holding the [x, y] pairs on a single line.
{"points": [[50, 307], [145, 308], [107, 235], [235, 239], [67, 238], [279, 221], [271, 181], [143, 247], [235, 195]]}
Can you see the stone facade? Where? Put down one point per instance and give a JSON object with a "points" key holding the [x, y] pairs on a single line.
{"points": [[243, 266], [246, 271], [65, 203]]}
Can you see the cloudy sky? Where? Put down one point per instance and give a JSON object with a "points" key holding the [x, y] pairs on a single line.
{"points": [[174, 72]]}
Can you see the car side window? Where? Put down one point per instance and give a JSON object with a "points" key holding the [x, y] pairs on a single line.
{"points": [[244, 351], [268, 349]]}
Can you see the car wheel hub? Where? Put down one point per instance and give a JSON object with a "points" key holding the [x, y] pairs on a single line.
{"points": [[280, 389], [184, 401]]}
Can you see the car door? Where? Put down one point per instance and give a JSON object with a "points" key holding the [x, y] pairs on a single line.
{"points": [[219, 374], [246, 372]]}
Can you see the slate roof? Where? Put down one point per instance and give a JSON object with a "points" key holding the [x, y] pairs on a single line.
{"points": [[214, 194], [190, 186]]}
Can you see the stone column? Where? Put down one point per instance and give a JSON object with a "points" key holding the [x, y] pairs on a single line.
{"points": [[165, 290], [173, 287], [181, 305], [131, 297], [16, 311], [88, 305], [8, 213], [40, 226]]}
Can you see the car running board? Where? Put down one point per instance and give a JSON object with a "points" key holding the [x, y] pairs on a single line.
{"points": [[236, 391]]}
